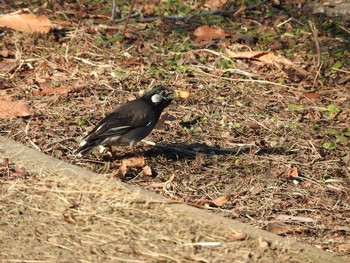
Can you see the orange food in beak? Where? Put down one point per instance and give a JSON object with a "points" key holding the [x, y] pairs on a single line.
{"points": [[182, 94]]}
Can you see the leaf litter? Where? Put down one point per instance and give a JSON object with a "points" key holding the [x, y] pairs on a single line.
{"points": [[259, 137]]}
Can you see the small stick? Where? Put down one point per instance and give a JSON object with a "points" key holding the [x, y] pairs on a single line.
{"points": [[314, 34], [128, 18]]}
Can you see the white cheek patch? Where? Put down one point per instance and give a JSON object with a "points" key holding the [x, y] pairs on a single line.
{"points": [[156, 98]]}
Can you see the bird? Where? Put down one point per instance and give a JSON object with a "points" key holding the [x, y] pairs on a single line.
{"points": [[131, 122]]}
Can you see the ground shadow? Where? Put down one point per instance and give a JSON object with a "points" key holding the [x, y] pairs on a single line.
{"points": [[189, 151]]}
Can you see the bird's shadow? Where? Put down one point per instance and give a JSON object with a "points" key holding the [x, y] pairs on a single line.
{"points": [[179, 151]]}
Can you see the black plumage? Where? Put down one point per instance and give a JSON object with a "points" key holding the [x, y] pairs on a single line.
{"points": [[129, 123]]}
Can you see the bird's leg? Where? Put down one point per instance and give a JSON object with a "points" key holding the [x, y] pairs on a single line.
{"points": [[134, 151], [110, 149]]}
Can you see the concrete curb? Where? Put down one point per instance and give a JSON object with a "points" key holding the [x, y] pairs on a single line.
{"points": [[39, 163]]}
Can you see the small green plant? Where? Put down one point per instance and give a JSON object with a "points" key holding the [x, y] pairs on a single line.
{"points": [[329, 145], [331, 111], [340, 137], [81, 122], [338, 64], [293, 107]]}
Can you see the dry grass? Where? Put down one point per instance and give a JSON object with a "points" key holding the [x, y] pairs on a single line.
{"points": [[93, 220]]}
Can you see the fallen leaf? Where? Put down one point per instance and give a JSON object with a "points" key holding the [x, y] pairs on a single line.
{"points": [[52, 91], [293, 172], [279, 228], [221, 200], [4, 53], [28, 23], [265, 57], [148, 9], [10, 109], [135, 162], [147, 171], [311, 95], [204, 33], [46, 91], [215, 4]]}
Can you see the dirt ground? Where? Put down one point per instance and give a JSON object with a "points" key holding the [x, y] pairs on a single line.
{"points": [[262, 142]]}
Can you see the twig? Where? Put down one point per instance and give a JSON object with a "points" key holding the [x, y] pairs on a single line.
{"points": [[314, 34], [317, 74], [242, 80], [114, 5], [128, 18]]}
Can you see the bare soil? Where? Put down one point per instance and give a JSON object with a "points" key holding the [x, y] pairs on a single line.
{"points": [[265, 144]]}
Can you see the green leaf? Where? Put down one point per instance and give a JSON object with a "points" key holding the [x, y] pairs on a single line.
{"points": [[185, 9], [81, 122], [329, 145], [337, 64], [332, 132], [294, 107], [333, 108]]}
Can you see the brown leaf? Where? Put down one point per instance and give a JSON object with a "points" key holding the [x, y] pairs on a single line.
{"points": [[266, 57], [52, 91], [147, 171], [311, 95], [204, 33], [279, 228], [135, 162], [148, 9], [131, 162], [293, 172], [4, 53], [10, 109], [28, 23], [215, 4], [221, 200]]}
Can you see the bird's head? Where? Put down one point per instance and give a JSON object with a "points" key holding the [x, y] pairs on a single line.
{"points": [[161, 97]]}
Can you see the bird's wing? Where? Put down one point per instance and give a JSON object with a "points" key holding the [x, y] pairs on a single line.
{"points": [[131, 115]]}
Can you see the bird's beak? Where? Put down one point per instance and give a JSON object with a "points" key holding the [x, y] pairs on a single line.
{"points": [[181, 94]]}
